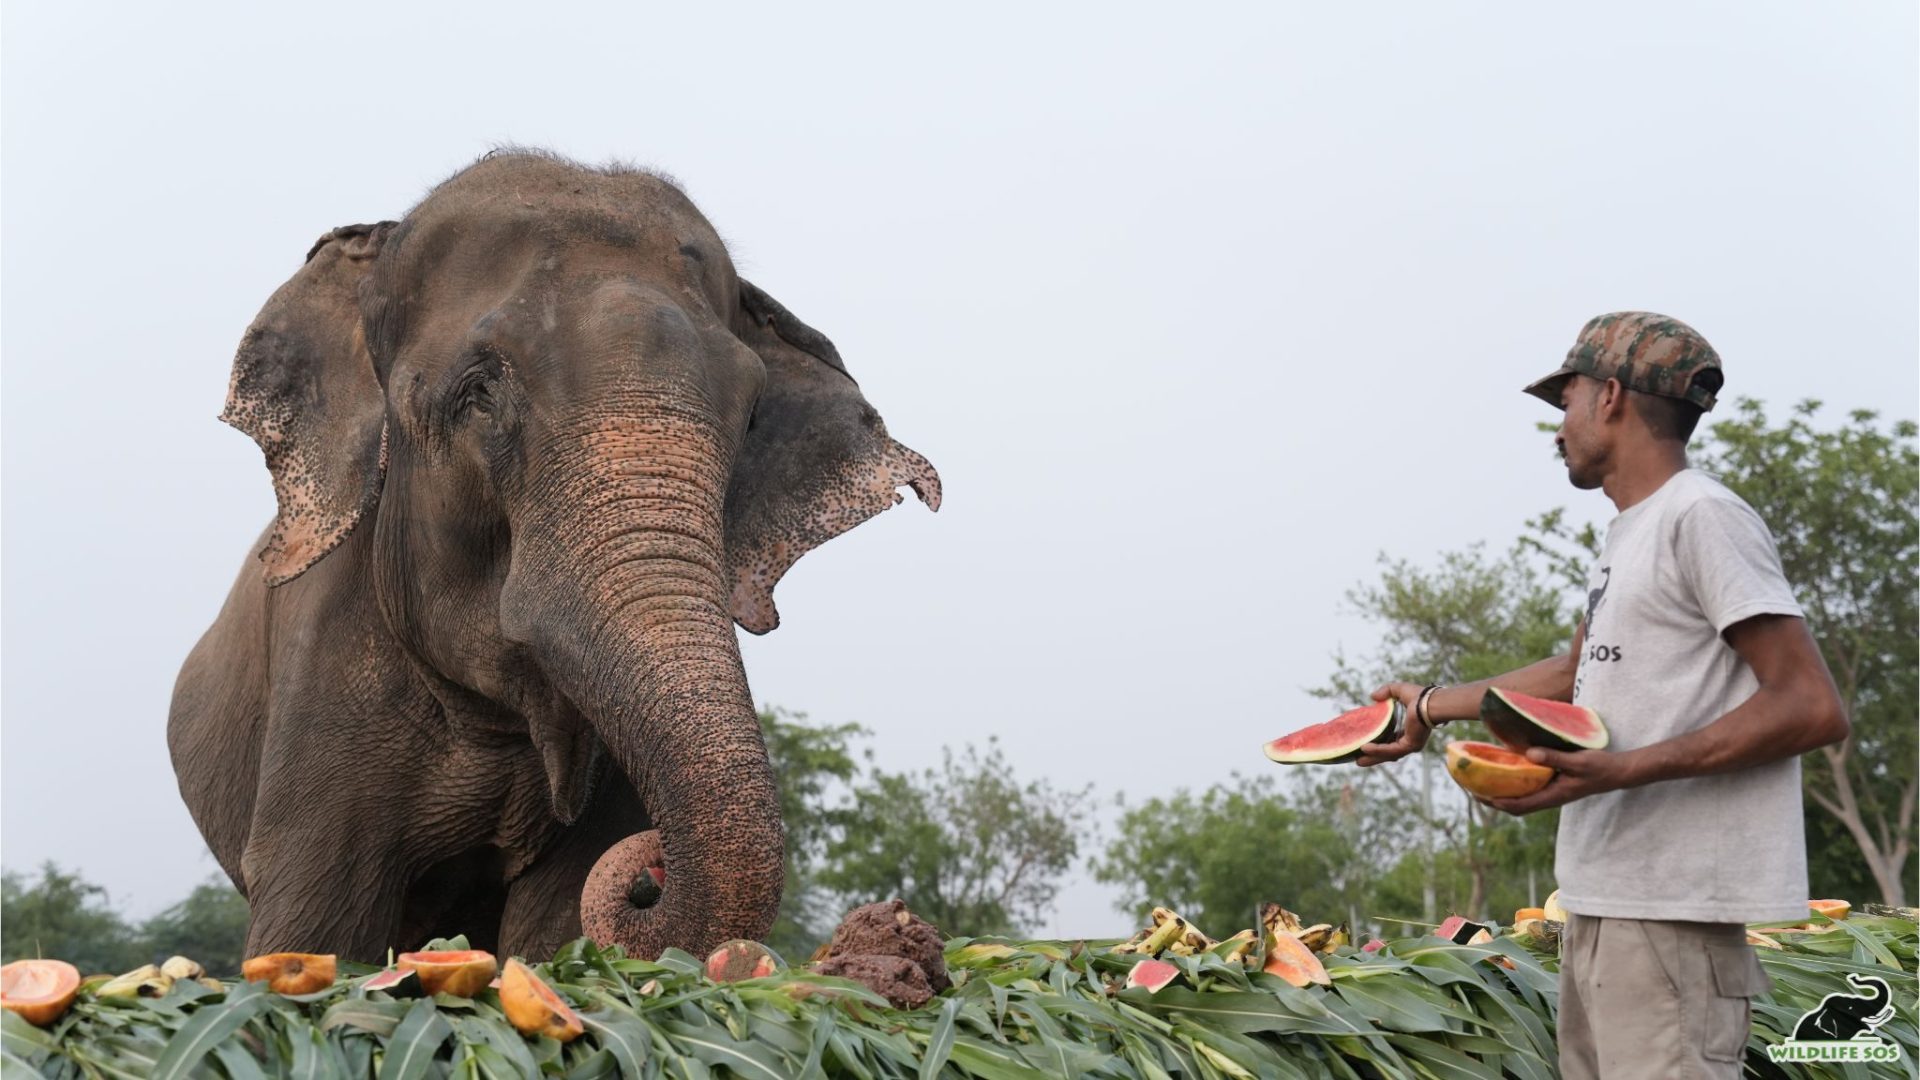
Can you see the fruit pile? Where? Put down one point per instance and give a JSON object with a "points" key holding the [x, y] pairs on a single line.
{"points": [[1169, 1001]]}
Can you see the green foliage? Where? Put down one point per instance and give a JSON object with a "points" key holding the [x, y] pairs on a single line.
{"points": [[64, 917], [810, 764], [1843, 506], [969, 846], [1215, 856], [1470, 616], [1418, 1007], [210, 926]]}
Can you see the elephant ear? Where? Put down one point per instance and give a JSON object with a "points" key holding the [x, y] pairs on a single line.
{"points": [[303, 387], [817, 459]]}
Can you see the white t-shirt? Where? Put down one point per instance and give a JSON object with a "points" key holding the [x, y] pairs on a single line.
{"points": [[1677, 570]]}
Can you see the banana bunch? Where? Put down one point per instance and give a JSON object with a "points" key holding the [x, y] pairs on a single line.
{"points": [[1168, 932], [1321, 938], [1239, 949], [154, 980]]}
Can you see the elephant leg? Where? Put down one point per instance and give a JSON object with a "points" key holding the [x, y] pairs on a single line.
{"points": [[320, 894], [543, 902], [329, 871]]}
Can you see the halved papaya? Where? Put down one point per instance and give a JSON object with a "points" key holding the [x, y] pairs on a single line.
{"points": [[533, 1008], [1293, 961], [39, 991], [460, 972], [1832, 909], [1551, 906], [291, 972], [1494, 772], [1526, 913]]}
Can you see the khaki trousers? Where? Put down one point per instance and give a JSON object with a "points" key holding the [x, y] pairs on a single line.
{"points": [[1646, 1000]]}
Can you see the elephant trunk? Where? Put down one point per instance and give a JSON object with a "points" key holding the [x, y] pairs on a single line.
{"points": [[623, 602], [1879, 990]]}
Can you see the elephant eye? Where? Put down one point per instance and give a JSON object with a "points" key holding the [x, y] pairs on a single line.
{"points": [[477, 386]]}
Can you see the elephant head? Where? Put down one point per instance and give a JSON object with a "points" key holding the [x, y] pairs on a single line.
{"points": [[1878, 993], [585, 448]]}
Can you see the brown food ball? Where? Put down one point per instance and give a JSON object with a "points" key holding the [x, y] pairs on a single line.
{"points": [[895, 978], [889, 929]]}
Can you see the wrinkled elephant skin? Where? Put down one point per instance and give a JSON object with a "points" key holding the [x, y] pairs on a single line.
{"points": [[537, 450]]}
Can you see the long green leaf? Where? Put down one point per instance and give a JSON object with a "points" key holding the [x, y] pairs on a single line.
{"points": [[207, 1028], [940, 1042], [376, 1017], [621, 1033], [415, 1042], [21, 1037], [713, 1045]]}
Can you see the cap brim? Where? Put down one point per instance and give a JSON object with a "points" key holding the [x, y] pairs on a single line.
{"points": [[1548, 389]]}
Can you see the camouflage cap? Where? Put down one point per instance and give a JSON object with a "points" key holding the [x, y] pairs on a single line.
{"points": [[1654, 354]]}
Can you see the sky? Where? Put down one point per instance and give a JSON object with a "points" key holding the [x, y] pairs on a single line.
{"points": [[1197, 315]]}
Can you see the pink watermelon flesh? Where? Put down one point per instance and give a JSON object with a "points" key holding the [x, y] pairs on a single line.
{"points": [[1373, 946], [1461, 932], [1520, 721], [397, 983], [1152, 974], [1340, 739]]}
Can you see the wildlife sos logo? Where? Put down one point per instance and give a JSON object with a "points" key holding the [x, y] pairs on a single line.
{"points": [[1841, 1027]]}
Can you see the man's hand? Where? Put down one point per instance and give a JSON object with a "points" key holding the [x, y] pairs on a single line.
{"points": [[1413, 733], [1577, 774]]}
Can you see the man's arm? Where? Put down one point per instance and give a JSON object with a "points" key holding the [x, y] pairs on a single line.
{"points": [[1796, 709], [1551, 678]]}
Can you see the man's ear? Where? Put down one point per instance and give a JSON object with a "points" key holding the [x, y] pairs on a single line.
{"points": [[1612, 399]]}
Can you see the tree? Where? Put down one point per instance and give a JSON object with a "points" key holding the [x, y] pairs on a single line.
{"points": [[809, 763], [209, 926], [1842, 506], [1216, 856], [969, 847], [65, 917], [1469, 617]]}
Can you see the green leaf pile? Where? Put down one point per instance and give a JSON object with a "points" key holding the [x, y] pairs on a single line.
{"points": [[1419, 1007]]}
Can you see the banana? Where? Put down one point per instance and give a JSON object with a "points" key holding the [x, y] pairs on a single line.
{"points": [[144, 981], [1273, 917], [1238, 947], [1340, 937], [180, 967], [1315, 937], [1132, 944], [1166, 931]]}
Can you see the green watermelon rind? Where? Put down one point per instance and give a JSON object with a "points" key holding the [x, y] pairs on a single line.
{"points": [[1386, 730], [1512, 723]]}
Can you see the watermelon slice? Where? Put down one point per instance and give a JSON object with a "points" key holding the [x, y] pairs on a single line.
{"points": [[1520, 721], [1462, 931], [1340, 739], [1152, 974]]}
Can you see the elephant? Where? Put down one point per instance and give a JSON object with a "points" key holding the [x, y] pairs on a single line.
{"points": [[536, 448], [1844, 1017]]}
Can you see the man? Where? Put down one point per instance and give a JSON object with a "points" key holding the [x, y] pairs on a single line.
{"points": [[1696, 656]]}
